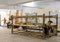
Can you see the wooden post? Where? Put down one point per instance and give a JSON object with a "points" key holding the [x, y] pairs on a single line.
{"points": [[36, 18], [49, 15], [43, 19], [12, 27], [21, 14], [43, 24], [56, 23], [26, 19], [17, 14], [12, 24]]}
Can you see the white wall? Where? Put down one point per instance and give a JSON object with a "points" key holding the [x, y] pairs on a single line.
{"points": [[4, 14]]}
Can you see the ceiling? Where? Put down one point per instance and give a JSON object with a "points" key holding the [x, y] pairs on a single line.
{"points": [[42, 4], [39, 3], [12, 2], [15, 2]]}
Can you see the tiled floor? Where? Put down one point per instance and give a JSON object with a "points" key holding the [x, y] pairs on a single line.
{"points": [[6, 36]]}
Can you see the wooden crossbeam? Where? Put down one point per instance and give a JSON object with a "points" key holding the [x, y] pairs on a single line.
{"points": [[35, 16], [50, 16], [28, 16]]}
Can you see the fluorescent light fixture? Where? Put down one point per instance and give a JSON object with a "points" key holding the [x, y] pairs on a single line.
{"points": [[29, 4], [59, 11]]}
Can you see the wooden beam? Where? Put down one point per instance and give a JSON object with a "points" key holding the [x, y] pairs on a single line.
{"points": [[27, 16], [12, 27], [49, 15], [36, 19], [56, 23], [43, 19]]}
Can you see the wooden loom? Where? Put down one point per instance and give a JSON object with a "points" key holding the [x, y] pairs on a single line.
{"points": [[36, 16]]}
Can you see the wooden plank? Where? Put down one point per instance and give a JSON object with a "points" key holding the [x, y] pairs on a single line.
{"points": [[43, 19], [50, 16], [56, 23], [28, 16], [36, 19], [12, 27], [17, 14], [43, 24]]}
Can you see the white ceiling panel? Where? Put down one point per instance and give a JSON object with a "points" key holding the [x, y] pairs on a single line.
{"points": [[20, 1], [42, 4], [13, 1], [37, 3], [5, 3]]}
